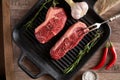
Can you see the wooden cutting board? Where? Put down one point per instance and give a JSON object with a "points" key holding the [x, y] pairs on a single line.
{"points": [[14, 10]]}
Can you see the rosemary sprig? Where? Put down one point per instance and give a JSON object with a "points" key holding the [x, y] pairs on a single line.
{"points": [[55, 2], [30, 22], [82, 52]]}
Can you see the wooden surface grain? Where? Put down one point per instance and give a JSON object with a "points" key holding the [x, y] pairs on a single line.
{"points": [[2, 62], [8, 48], [18, 8]]}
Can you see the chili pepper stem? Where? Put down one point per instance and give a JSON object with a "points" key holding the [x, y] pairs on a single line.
{"points": [[107, 45], [111, 44]]}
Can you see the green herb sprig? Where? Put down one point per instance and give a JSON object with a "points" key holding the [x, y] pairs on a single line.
{"points": [[55, 2], [29, 24], [83, 52]]}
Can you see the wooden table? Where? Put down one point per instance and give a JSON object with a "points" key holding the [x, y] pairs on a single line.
{"points": [[2, 66], [18, 8]]}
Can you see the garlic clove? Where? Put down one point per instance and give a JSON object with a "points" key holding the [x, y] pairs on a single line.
{"points": [[84, 7], [79, 10], [76, 12]]}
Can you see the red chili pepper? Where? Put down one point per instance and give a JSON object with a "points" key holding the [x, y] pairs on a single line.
{"points": [[114, 54], [103, 60]]}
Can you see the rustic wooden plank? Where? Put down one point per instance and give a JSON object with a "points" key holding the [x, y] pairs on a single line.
{"points": [[8, 51], [109, 76], [2, 65]]}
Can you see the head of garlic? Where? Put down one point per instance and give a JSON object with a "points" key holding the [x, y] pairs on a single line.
{"points": [[78, 9]]}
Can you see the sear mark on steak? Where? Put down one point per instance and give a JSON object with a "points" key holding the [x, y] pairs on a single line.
{"points": [[69, 40]]}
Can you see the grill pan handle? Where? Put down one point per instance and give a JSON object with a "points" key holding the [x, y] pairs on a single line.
{"points": [[25, 69]]}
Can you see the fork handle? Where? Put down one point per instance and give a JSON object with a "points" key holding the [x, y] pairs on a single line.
{"points": [[111, 19], [115, 17]]}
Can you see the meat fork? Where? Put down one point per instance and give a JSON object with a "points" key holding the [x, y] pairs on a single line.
{"points": [[97, 25]]}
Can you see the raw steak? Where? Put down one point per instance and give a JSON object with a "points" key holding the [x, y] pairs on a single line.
{"points": [[53, 24], [69, 40]]}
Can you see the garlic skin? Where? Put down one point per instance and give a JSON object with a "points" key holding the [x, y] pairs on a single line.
{"points": [[84, 7], [79, 9]]}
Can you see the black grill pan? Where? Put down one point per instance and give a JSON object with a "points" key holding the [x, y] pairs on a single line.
{"points": [[38, 53]]}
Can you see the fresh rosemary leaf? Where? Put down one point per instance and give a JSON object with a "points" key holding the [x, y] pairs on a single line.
{"points": [[55, 2], [45, 7]]}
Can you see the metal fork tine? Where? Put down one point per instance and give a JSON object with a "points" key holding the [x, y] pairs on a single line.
{"points": [[94, 26], [93, 29], [91, 26]]}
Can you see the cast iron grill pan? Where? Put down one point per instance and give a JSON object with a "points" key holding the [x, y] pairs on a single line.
{"points": [[38, 53]]}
